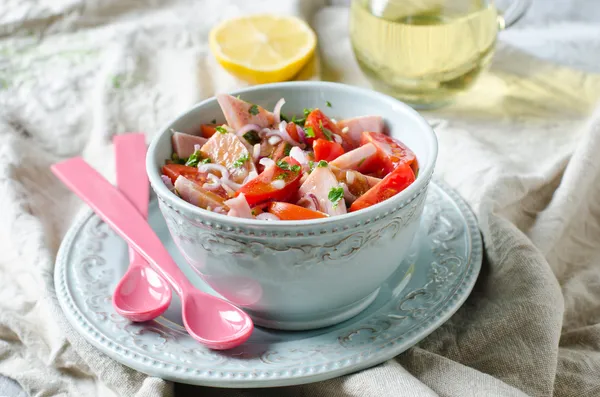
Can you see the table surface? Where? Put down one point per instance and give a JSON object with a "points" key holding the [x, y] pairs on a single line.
{"points": [[567, 25]]}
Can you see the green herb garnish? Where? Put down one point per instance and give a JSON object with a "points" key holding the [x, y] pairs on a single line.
{"points": [[283, 175], [299, 121], [206, 161], [252, 137], [307, 111], [253, 110], [175, 159], [194, 159], [322, 164], [327, 132], [310, 132], [221, 129], [284, 165], [311, 166], [328, 104], [240, 162], [361, 162], [287, 149], [283, 117], [335, 195]]}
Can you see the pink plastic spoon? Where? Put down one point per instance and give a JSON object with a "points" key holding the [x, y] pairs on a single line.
{"points": [[212, 321], [142, 294]]}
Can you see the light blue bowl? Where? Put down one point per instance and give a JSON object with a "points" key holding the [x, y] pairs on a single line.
{"points": [[302, 274]]}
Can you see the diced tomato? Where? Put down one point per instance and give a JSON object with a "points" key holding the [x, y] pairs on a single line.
{"points": [[398, 180], [390, 153], [174, 170], [324, 128], [327, 150], [261, 189], [208, 130], [292, 212], [293, 132]]}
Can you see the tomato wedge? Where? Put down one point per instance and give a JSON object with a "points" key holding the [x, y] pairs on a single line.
{"points": [[208, 130], [324, 128], [327, 150], [395, 182], [292, 131], [293, 212], [390, 153], [261, 188]]}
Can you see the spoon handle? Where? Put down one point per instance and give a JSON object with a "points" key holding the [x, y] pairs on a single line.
{"points": [[118, 212], [132, 181]]}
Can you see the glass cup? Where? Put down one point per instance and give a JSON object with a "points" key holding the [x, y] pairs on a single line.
{"points": [[424, 52]]}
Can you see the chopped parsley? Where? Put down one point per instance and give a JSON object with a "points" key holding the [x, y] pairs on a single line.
{"points": [[310, 132], [327, 132], [253, 110], [252, 137], [221, 129], [361, 161], [328, 104], [287, 149], [213, 121], [176, 160], [240, 162], [194, 159], [307, 111], [284, 117], [299, 121], [205, 161], [322, 163], [335, 195], [283, 175], [311, 166], [284, 165]]}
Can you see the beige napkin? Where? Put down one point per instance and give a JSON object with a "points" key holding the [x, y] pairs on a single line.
{"points": [[522, 147]]}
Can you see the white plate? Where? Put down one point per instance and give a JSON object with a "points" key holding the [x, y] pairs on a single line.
{"points": [[445, 261]]}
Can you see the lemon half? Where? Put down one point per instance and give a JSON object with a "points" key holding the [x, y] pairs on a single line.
{"points": [[263, 48]]}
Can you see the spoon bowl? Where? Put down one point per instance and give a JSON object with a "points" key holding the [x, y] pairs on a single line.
{"points": [[208, 318], [142, 294]]}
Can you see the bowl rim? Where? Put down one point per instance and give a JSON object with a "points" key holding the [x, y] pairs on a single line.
{"points": [[425, 170]]}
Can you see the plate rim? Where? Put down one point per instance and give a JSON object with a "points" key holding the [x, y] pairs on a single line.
{"points": [[216, 378]]}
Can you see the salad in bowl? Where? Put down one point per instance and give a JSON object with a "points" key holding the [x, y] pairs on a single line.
{"points": [[280, 167]]}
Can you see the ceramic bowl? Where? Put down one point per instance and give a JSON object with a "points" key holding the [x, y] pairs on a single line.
{"points": [[302, 274]]}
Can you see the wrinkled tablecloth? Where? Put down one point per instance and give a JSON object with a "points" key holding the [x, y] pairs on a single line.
{"points": [[522, 147]]}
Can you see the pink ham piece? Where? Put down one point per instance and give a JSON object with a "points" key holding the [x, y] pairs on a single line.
{"points": [[239, 207], [183, 144], [357, 125], [352, 159], [238, 113], [195, 194], [319, 183]]}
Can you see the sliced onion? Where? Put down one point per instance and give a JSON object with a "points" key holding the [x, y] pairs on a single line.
{"points": [[274, 140], [349, 197], [301, 133], [214, 183], [277, 110], [214, 167], [256, 151], [229, 190], [267, 216], [167, 181], [219, 210], [247, 128], [278, 184], [309, 201], [266, 162], [283, 134], [337, 138], [298, 154], [251, 175], [229, 183], [196, 147], [350, 177]]}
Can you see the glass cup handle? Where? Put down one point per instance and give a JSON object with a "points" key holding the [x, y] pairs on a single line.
{"points": [[514, 12]]}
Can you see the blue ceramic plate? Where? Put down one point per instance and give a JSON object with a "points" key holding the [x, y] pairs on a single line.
{"points": [[444, 264]]}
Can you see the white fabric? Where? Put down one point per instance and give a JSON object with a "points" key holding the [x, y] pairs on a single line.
{"points": [[522, 147]]}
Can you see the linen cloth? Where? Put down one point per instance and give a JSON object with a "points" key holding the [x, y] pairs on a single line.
{"points": [[522, 147]]}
